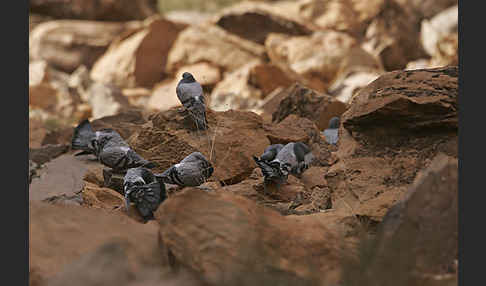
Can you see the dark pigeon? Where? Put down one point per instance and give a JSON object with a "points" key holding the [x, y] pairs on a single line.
{"points": [[190, 94], [108, 147], [192, 171], [143, 189], [271, 152], [293, 158], [331, 134]]}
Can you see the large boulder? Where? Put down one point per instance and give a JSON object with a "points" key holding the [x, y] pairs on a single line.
{"points": [[138, 58], [426, 9], [102, 10], [224, 238], [214, 45], [392, 129], [320, 58], [67, 44]]}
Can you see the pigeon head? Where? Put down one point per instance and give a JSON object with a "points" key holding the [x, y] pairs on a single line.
{"points": [[334, 122], [187, 77]]}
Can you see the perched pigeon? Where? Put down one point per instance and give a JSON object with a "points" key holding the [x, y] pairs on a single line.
{"points": [[192, 171], [142, 188], [108, 146], [271, 152], [331, 134], [190, 94], [293, 158]]}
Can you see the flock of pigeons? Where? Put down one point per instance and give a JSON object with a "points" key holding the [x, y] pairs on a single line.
{"points": [[147, 190]]}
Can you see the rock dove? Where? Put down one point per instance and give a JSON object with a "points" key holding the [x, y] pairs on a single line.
{"points": [[192, 171], [141, 187], [190, 94], [271, 152], [293, 158], [331, 134], [108, 146]]}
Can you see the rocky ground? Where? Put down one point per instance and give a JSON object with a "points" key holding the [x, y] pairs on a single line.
{"points": [[379, 208]]}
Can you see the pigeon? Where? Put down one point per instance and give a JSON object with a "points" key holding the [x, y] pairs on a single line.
{"points": [[192, 171], [293, 158], [190, 94], [108, 147], [271, 152], [331, 134], [141, 187]]}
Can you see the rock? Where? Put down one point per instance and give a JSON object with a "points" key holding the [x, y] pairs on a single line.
{"points": [[425, 223], [36, 19], [106, 100], [47, 152], [392, 129], [236, 237], [37, 132], [211, 44], [67, 44], [105, 198], [32, 170], [188, 17], [238, 18], [137, 97], [61, 234], [102, 10], [439, 37], [138, 59], [169, 140], [345, 16], [344, 90], [292, 129], [206, 74], [308, 103], [426, 9], [320, 58], [75, 200], [164, 96], [267, 78], [394, 36]]}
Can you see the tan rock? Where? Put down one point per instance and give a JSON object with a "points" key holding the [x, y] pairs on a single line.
{"points": [[321, 58], [138, 97], [223, 236], [344, 89], [206, 74], [98, 197], [106, 100], [427, 8], [164, 96], [211, 44], [67, 44], [138, 59]]}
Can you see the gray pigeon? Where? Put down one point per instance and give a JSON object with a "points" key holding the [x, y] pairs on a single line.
{"points": [[271, 152], [331, 134], [141, 187], [192, 171], [293, 158], [108, 147], [190, 94]]}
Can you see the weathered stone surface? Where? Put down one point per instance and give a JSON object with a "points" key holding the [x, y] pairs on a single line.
{"points": [[106, 100], [292, 129], [102, 10], [138, 59], [47, 152], [67, 44], [239, 237], [427, 8], [99, 197]]}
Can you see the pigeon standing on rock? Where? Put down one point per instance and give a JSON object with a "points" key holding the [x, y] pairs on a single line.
{"points": [[141, 187], [293, 158], [331, 134], [192, 171], [190, 94], [108, 147]]}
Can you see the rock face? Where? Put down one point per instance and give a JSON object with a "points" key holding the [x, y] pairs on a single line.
{"points": [[212, 44], [106, 100], [138, 58], [393, 129], [233, 137], [239, 238], [307, 103], [67, 44], [104, 10], [320, 58]]}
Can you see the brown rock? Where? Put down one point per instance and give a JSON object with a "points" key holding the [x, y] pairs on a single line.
{"points": [[268, 77], [37, 132], [98, 197], [61, 234], [67, 44], [106, 100], [292, 129], [320, 58], [427, 8], [137, 97], [137, 59], [36, 19], [170, 140], [238, 18], [211, 44], [47, 152], [104, 10], [394, 36], [64, 199], [308, 103], [223, 237]]}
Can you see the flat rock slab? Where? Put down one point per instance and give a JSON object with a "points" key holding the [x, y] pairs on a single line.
{"points": [[61, 176]]}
